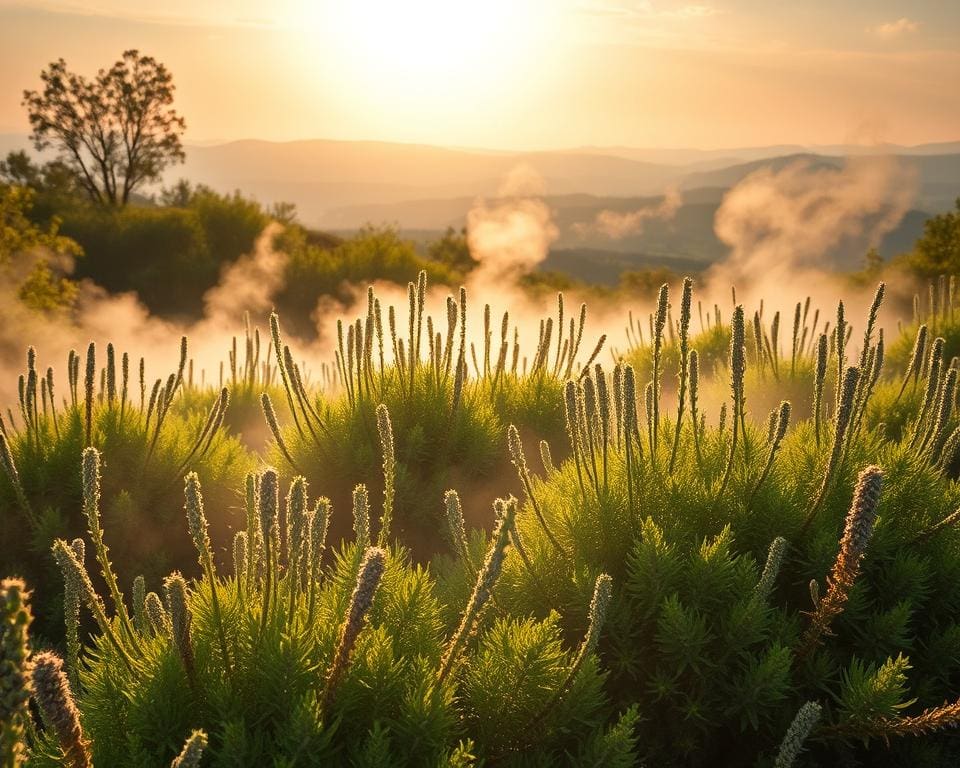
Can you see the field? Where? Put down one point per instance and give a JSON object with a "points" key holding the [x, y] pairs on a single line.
{"points": [[730, 542]]}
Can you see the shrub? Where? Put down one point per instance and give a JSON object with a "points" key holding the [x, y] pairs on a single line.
{"points": [[107, 406], [710, 631], [293, 657], [448, 401]]}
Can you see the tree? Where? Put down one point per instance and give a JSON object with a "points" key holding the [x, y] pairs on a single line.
{"points": [[54, 178], [453, 250], [937, 252], [34, 258], [115, 132]]}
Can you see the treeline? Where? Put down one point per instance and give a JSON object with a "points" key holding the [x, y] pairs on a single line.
{"points": [[172, 248]]}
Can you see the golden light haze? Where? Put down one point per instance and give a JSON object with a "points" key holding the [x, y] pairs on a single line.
{"points": [[519, 73]]}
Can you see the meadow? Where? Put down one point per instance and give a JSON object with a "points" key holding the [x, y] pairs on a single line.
{"points": [[731, 542]]}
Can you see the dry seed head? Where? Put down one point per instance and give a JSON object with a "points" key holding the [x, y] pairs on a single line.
{"points": [[271, 416], [296, 518], [175, 589], [863, 513], [318, 534], [72, 596], [629, 400], [111, 373], [661, 316], [570, 412], [91, 490], [694, 377], [361, 516], [77, 578], [598, 611], [192, 752], [156, 615], [546, 458], [822, 346], [792, 745], [196, 519], [737, 358], [506, 511], [269, 501], [455, 523], [783, 421], [489, 573], [240, 554], [516, 450], [919, 351], [771, 568], [368, 581], [878, 360], [945, 404], [139, 594], [385, 431], [51, 691], [850, 380], [6, 457], [686, 299]]}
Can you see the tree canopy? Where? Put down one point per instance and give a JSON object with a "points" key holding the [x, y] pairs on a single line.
{"points": [[116, 131]]}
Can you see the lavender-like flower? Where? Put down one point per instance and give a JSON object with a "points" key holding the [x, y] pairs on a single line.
{"points": [[51, 691], [368, 581]]}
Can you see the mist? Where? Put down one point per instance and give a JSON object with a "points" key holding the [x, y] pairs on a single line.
{"points": [[782, 229]]}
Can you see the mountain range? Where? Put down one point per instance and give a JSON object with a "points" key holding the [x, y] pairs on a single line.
{"points": [[342, 185]]}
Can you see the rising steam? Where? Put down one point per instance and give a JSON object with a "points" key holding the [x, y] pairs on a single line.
{"points": [[511, 234], [783, 224], [249, 284], [617, 225]]}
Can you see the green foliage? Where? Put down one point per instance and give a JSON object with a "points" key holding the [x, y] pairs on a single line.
{"points": [[141, 695], [453, 251], [180, 252], [331, 270], [763, 605], [149, 446], [114, 132], [449, 401], [716, 669], [937, 252], [33, 257]]}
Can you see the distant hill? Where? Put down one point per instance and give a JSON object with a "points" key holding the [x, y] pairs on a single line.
{"points": [[331, 181], [342, 185], [321, 175], [686, 239], [939, 175]]}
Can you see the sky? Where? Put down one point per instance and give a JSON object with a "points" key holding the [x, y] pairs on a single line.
{"points": [[519, 74]]}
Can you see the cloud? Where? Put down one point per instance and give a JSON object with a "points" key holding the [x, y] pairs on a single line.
{"points": [[891, 30]]}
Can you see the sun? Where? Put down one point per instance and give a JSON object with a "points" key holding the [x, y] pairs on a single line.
{"points": [[402, 49]]}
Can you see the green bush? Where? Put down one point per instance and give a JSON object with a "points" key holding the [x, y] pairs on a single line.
{"points": [[296, 658], [449, 401], [150, 447], [712, 634]]}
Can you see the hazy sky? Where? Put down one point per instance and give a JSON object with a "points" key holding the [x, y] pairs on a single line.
{"points": [[520, 73]]}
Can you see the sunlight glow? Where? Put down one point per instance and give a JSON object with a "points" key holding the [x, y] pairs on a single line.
{"points": [[428, 48]]}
